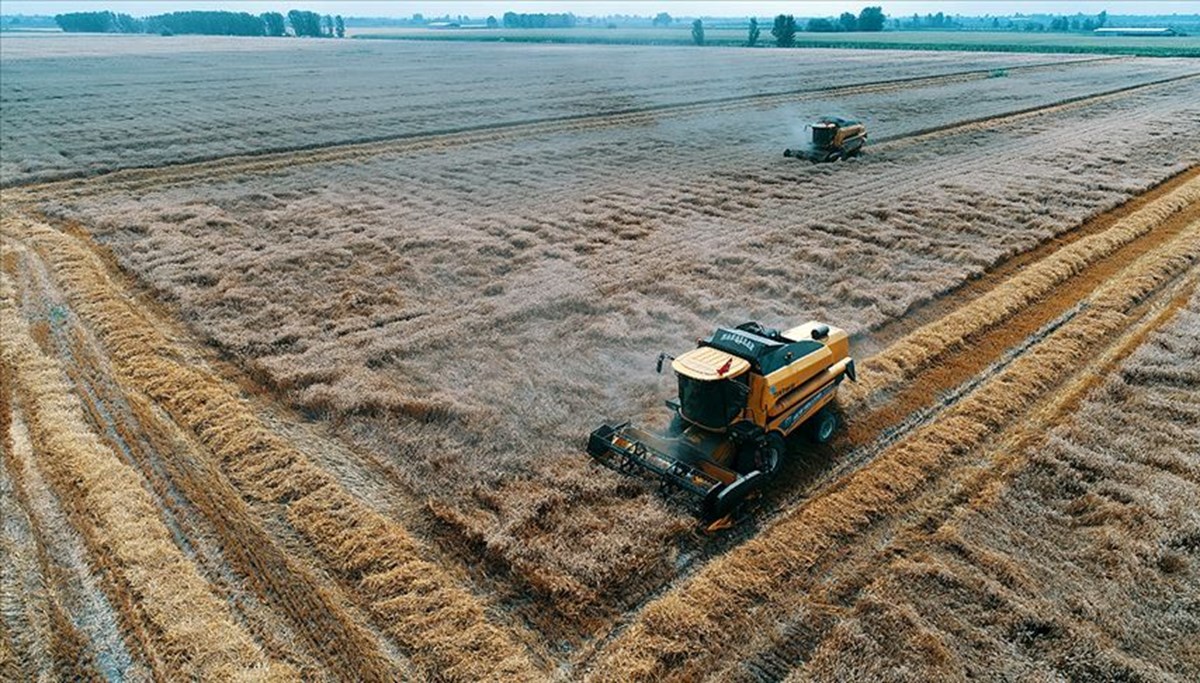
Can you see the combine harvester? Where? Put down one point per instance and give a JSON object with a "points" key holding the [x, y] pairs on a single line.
{"points": [[742, 391], [833, 139]]}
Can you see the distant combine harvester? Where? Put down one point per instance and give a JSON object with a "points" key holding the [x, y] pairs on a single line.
{"points": [[1137, 32]]}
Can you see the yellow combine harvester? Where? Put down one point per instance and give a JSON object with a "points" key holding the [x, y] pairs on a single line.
{"points": [[742, 391], [833, 138]]}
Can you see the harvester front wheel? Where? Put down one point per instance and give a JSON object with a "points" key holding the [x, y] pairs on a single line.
{"points": [[676, 426], [770, 454]]}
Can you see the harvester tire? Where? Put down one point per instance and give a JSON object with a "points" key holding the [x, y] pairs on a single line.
{"points": [[769, 455], [822, 427], [677, 425]]}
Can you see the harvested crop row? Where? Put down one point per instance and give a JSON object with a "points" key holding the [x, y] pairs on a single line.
{"points": [[933, 517], [676, 636], [86, 641], [906, 357], [443, 627], [1017, 116], [190, 485], [197, 634], [44, 641], [24, 603], [1099, 508], [210, 520]]}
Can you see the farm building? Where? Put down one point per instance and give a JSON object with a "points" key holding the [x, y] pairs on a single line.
{"points": [[1140, 31]]}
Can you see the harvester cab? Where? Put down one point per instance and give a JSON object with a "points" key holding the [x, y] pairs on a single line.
{"points": [[742, 392], [833, 138]]}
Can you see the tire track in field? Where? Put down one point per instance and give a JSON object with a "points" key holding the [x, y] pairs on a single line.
{"points": [[286, 157]]}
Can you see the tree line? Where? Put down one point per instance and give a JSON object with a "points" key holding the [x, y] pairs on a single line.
{"points": [[1078, 22], [539, 20], [211, 23], [785, 27]]}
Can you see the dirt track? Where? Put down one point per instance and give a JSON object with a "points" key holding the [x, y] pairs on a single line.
{"points": [[330, 563]]}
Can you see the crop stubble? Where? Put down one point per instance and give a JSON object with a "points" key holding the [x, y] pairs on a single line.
{"points": [[368, 301], [377, 364]]}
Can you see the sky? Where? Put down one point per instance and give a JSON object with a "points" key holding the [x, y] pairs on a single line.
{"points": [[381, 8]]}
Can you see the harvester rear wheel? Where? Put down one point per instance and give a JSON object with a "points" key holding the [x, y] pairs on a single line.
{"points": [[822, 427]]}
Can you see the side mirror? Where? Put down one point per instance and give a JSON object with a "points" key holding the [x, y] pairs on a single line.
{"points": [[661, 357]]}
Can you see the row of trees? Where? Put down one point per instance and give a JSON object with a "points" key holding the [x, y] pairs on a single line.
{"points": [[1078, 22], [539, 20], [205, 23], [785, 28]]}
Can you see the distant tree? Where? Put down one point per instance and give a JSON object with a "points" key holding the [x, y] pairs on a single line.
{"points": [[273, 23], [305, 24], [820, 26], [127, 24], [210, 23], [539, 20], [939, 20], [339, 26], [492, 23], [752, 36], [1088, 24], [995, 23], [871, 19], [698, 32], [661, 19], [848, 22], [327, 26], [418, 18], [86, 22], [1101, 19], [784, 30]]}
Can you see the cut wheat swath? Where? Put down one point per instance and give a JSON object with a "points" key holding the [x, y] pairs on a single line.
{"points": [[197, 634], [443, 628]]}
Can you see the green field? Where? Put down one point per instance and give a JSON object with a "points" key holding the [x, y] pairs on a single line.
{"points": [[998, 41]]}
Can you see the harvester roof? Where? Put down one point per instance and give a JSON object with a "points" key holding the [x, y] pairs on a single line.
{"points": [[765, 354], [837, 121], [706, 363]]}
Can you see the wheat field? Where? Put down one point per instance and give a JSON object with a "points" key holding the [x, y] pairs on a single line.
{"points": [[297, 386]]}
